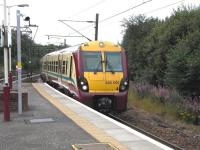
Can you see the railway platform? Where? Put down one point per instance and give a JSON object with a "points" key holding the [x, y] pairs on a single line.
{"points": [[56, 121], [43, 127]]}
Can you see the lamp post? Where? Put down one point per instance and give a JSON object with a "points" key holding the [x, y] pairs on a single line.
{"points": [[10, 41], [19, 65], [6, 89]]}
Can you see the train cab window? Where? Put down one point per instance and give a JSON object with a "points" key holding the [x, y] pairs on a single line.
{"points": [[92, 61], [113, 61]]}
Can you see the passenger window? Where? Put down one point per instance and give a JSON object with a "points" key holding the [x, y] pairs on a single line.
{"points": [[63, 68], [66, 67], [71, 61]]}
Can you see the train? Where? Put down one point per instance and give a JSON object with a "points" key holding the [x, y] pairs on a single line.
{"points": [[94, 73]]}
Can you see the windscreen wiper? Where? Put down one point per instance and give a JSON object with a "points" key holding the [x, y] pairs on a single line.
{"points": [[110, 66], [97, 67]]}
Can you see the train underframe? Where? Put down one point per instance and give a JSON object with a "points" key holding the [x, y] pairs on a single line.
{"points": [[105, 102]]}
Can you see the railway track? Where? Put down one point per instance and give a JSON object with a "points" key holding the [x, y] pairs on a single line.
{"points": [[144, 132], [24, 76]]}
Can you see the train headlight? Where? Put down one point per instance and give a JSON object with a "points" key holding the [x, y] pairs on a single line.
{"points": [[124, 84], [84, 87], [83, 84], [122, 88]]}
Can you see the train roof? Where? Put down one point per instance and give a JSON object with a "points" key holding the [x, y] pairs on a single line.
{"points": [[100, 45], [68, 49], [89, 46]]}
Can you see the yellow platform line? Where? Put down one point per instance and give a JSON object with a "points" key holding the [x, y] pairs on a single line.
{"points": [[90, 128]]}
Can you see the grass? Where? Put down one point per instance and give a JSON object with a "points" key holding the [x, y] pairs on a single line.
{"points": [[166, 110], [151, 105]]}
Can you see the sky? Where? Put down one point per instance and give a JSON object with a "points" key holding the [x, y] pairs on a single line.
{"points": [[46, 13]]}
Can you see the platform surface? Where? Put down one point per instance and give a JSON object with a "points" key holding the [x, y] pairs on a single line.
{"points": [[43, 127]]}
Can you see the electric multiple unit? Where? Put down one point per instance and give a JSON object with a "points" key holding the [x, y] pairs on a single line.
{"points": [[94, 73]]}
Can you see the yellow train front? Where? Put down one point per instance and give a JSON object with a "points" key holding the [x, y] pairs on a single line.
{"points": [[96, 74]]}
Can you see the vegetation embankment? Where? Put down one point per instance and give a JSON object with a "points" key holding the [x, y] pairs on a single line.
{"points": [[164, 63]]}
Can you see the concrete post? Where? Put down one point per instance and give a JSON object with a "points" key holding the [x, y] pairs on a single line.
{"points": [[19, 66], [9, 51], [6, 89]]}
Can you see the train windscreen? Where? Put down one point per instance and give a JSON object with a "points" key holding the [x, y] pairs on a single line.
{"points": [[92, 61], [113, 61]]}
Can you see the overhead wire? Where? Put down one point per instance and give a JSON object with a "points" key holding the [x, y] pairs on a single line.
{"points": [[125, 10], [110, 17], [88, 8], [163, 7], [144, 2], [160, 8]]}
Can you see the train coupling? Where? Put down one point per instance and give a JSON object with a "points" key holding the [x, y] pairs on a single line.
{"points": [[104, 104]]}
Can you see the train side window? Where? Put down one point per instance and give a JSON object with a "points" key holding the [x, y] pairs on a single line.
{"points": [[70, 73], [49, 65], [63, 68], [52, 66], [56, 66], [44, 65], [66, 67]]}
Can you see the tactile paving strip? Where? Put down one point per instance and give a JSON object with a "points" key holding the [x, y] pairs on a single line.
{"points": [[92, 146]]}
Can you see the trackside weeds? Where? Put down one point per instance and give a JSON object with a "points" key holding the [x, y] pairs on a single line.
{"points": [[185, 108]]}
